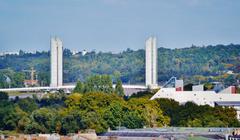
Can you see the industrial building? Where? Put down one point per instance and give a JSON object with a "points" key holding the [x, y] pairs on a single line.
{"points": [[226, 97], [56, 62], [151, 63]]}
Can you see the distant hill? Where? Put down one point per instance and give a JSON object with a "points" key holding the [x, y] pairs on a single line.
{"points": [[194, 64]]}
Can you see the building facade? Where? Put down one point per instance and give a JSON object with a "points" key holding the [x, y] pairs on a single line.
{"points": [[56, 62], [151, 63], [227, 97]]}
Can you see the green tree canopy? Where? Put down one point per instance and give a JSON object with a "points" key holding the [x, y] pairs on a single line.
{"points": [[79, 87], [119, 89], [3, 96]]}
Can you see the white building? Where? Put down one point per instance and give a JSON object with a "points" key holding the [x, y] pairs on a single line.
{"points": [[56, 62], [151, 63], [84, 52], [74, 52], [200, 97], [9, 53]]}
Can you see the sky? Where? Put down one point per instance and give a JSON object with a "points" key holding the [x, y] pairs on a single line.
{"points": [[115, 25]]}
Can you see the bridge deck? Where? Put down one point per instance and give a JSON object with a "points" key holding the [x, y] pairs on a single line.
{"points": [[63, 87]]}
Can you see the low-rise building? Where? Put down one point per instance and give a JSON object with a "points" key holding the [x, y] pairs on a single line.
{"points": [[227, 97]]}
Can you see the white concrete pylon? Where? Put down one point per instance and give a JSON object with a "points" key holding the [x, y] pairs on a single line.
{"points": [[56, 62], [151, 62]]}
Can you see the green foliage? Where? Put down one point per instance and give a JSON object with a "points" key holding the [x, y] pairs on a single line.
{"points": [[101, 111], [207, 63], [97, 109], [194, 123], [99, 83], [143, 94], [192, 115], [43, 120], [72, 123], [10, 78], [54, 100], [119, 89], [114, 114], [132, 120], [79, 87], [208, 86], [23, 123], [3, 96], [150, 112], [27, 105], [170, 108]]}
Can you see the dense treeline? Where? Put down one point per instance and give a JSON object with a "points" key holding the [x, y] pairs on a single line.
{"points": [[77, 112], [94, 104], [192, 115], [194, 64]]}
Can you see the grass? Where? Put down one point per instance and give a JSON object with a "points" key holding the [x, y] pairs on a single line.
{"points": [[16, 93]]}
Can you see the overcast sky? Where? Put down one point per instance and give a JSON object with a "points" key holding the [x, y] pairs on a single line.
{"points": [[114, 25]]}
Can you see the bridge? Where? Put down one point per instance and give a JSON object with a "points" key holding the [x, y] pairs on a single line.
{"points": [[64, 87]]}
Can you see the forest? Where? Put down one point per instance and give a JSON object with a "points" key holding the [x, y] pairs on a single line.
{"points": [[99, 106], [194, 65]]}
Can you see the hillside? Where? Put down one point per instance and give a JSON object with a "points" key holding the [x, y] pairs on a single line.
{"points": [[194, 64]]}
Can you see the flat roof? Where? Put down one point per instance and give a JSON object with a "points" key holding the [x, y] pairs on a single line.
{"points": [[228, 103]]}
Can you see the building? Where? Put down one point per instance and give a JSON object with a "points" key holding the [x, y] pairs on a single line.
{"points": [[84, 52], [56, 62], [9, 53], [33, 78], [227, 97], [151, 63]]}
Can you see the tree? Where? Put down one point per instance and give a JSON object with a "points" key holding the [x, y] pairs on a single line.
{"points": [[67, 53], [18, 79], [3, 96], [21, 53], [98, 110], [79, 87], [54, 100], [72, 122], [119, 89], [99, 83], [27, 104], [132, 120], [194, 123], [94, 120], [34, 128], [114, 114], [73, 101], [22, 123], [3, 81], [5, 108], [44, 78], [170, 108], [208, 86], [11, 115], [150, 111], [44, 120]]}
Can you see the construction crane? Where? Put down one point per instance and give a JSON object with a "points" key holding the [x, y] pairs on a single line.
{"points": [[32, 81]]}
